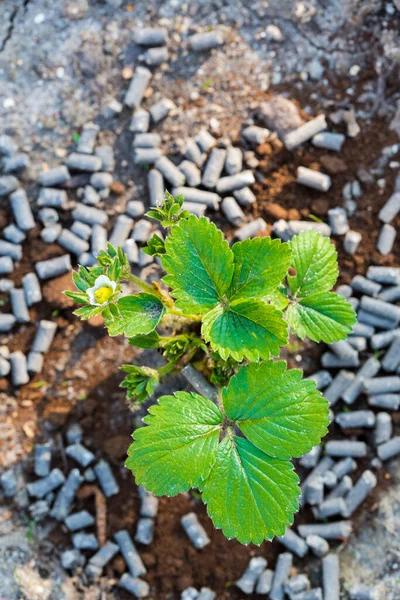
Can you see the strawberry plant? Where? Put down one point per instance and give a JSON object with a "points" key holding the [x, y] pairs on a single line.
{"points": [[228, 310]]}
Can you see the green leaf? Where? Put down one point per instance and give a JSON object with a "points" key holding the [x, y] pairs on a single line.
{"points": [[324, 316], [79, 297], [246, 329], [140, 382], [138, 315], [260, 266], [149, 340], [249, 495], [277, 411], [199, 264], [87, 312], [278, 299], [314, 258], [178, 447], [155, 246]]}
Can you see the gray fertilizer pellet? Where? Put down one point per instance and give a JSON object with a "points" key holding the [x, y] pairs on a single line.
{"points": [[309, 460], [8, 184], [151, 36], [140, 122], [295, 227], [46, 269], [170, 171], [365, 286], [53, 198], [81, 230], [14, 251], [19, 306], [71, 559], [206, 594], [122, 228], [331, 507], [5, 284], [329, 479], [338, 386], [386, 239], [146, 140], [9, 483], [83, 162], [101, 181], [251, 229], [195, 208], [383, 429], [359, 492], [105, 476], [42, 460], [391, 294], [319, 546], [72, 242], [6, 265], [106, 153], [195, 531], [387, 401], [281, 575], [342, 488], [324, 465], [255, 135], [85, 541], [80, 454], [384, 275], [89, 215], [369, 369], [137, 87], [191, 172], [104, 555], [41, 487], [213, 168], [200, 42], [232, 211], [19, 369], [382, 385], [313, 594], [22, 211], [362, 592], [297, 584], [344, 290], [161, 109], [293, 542], [155, 183], [342, 349], [361, 329], [135, 208], [138, 587], [146, 156], [66, 495], [145, 531], [389, 449], [7, 322], [248, 580], [98, 240], [330, 577], [144, 259], [351, 241], [338, 220], [344, 448], [322, 379], [391, 360], [231, 183], [313, 179], [155, 56], [343, 467], [380, 308], [5, 367], [189, 593], [44, 336], [356, 418], [35, 362], [48, 216], [51, 233], [314, 491], [390, 209], [79, 520], [130, 554], [192, 151], [199, 383], [92, 572], [329, 141], [87, 139], [331, 361], [234, 160], [264, 582], [375, 320], [329, 531], [211, 199], [141, 231], [357, 342], [55, 176], [131, 250], [305, 132], [74, 434], [148, 504], [7, 145]]}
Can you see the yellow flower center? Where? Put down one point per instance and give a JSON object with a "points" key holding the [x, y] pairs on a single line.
{"points": [[103, 294]]}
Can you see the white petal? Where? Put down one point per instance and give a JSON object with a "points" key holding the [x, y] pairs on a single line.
{"points": [[102, 281]]}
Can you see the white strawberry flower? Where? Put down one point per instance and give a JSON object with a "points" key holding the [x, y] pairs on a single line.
{"points": [[102, 290]]}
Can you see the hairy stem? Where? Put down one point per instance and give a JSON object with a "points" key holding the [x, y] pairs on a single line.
{"points": [[179, 313]]}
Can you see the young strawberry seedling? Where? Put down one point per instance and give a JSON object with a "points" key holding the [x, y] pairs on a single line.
{"points": [[229, 309]]}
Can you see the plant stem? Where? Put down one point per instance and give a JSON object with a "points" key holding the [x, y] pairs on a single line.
{"points": [[179, 313], [147, 287], [170, 366]]}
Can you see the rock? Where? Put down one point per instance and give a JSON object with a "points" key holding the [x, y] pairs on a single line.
{"points": [[280, 114], [333, 164], [315, 69]]}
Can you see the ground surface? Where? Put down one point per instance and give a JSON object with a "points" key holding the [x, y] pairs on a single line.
{"points": [[61, 63]]}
